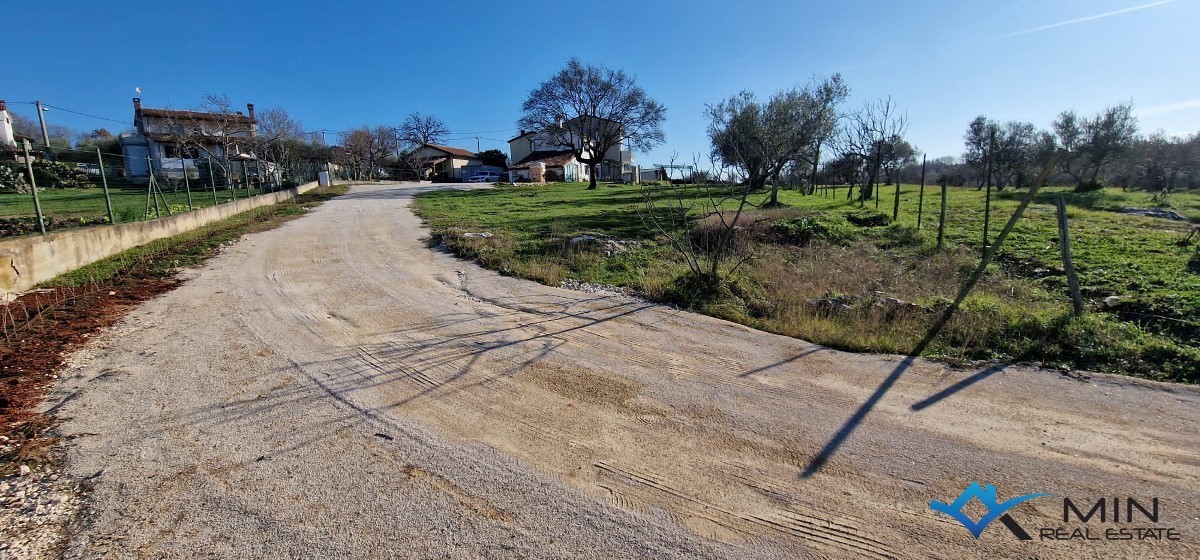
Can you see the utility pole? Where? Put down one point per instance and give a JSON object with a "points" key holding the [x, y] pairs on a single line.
{"points": [[476, 144], [42, 119]]}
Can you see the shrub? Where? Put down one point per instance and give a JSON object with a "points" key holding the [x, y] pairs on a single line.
{"points": [[868, 218], [130, 214], [12, 177], [799, 231], [58, 175]]}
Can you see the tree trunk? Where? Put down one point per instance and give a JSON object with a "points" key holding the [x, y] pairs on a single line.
{"points": [[592, 183]]}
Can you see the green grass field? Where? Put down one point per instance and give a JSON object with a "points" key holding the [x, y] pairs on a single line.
{"points": [[69, 207], [1020, 311]]}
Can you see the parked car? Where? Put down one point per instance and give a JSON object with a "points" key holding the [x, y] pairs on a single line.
{"points": [[484, 177]]}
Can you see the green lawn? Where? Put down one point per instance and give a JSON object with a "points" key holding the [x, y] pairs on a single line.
{"points": [[1019, 312], [70, 207]]}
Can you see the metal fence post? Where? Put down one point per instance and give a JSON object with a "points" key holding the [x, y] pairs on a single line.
{"points": [[150, 188], [212, 181], [37, 204], [112, 218], [187, 186]]}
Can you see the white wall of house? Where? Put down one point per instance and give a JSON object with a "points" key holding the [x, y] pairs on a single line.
{"points": [[7, 137], [135, 149], [455, 165]]}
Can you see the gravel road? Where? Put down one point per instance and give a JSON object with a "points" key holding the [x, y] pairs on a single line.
{"points": [[334, 388]]}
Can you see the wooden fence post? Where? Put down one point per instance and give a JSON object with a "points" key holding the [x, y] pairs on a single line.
{"points": [[942, 217], [921, 197], [1064, 246], [987, 179]]}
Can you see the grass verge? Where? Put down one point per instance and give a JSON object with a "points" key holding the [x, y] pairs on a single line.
{"points": [[846, 275]]}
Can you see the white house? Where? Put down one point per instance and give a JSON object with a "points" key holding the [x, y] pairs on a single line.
{"points": [[174, 139], [7, 136], [530, 148], [446, 163]]}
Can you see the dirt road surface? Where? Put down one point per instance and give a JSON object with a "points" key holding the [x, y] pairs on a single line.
{"points": [[335, 388]]}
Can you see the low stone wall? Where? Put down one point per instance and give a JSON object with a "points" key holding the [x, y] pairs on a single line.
{"points": [[27, 261]]}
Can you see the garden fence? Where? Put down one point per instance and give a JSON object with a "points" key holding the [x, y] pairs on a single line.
{"points": [[64, 187]]}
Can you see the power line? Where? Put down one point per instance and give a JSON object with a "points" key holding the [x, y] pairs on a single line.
{"points": [[84, 114], [482, 132]]}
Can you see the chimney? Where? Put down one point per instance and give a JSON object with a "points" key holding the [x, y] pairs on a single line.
{"points": [[3, 105], [250, 110]]}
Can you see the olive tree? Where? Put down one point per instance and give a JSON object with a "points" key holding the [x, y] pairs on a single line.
{"points": [[1090, 144], [762, 139], [590, 109]]}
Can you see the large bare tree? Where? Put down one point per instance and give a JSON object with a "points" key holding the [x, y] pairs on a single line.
{"points": [[280, 139], [366, 147], [418, 129], [590, 110]]}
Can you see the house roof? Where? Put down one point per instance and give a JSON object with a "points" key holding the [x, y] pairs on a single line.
{"points": [[551, 158], [164, 137], [195, 115], [523, 134], [452, 151]]}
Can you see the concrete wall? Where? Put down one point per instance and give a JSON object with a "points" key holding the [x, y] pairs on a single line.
{"points": [[27, 261]]}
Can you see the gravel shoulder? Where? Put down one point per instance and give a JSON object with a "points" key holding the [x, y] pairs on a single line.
{"points": [[334, 388]]}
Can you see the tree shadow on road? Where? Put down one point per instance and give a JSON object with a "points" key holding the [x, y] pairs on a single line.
{"points": [[413, 359]]}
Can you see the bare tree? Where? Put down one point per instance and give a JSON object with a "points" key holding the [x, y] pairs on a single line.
{"points": [[25, 126], [897, 154], [418, 129], [702, 222], [367, 147], [865, 134], [213, 131], [590, 110], [763, 139], [279, 139]]}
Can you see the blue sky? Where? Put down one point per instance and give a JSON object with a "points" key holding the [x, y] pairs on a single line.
{"points": [[339, 65]]}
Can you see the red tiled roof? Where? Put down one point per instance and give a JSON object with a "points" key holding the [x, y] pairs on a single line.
{"points": [[453, 151], [193, 115], [521, 135]]}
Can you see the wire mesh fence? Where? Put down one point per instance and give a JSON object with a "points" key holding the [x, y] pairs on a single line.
{"points": [[60, 188]]}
